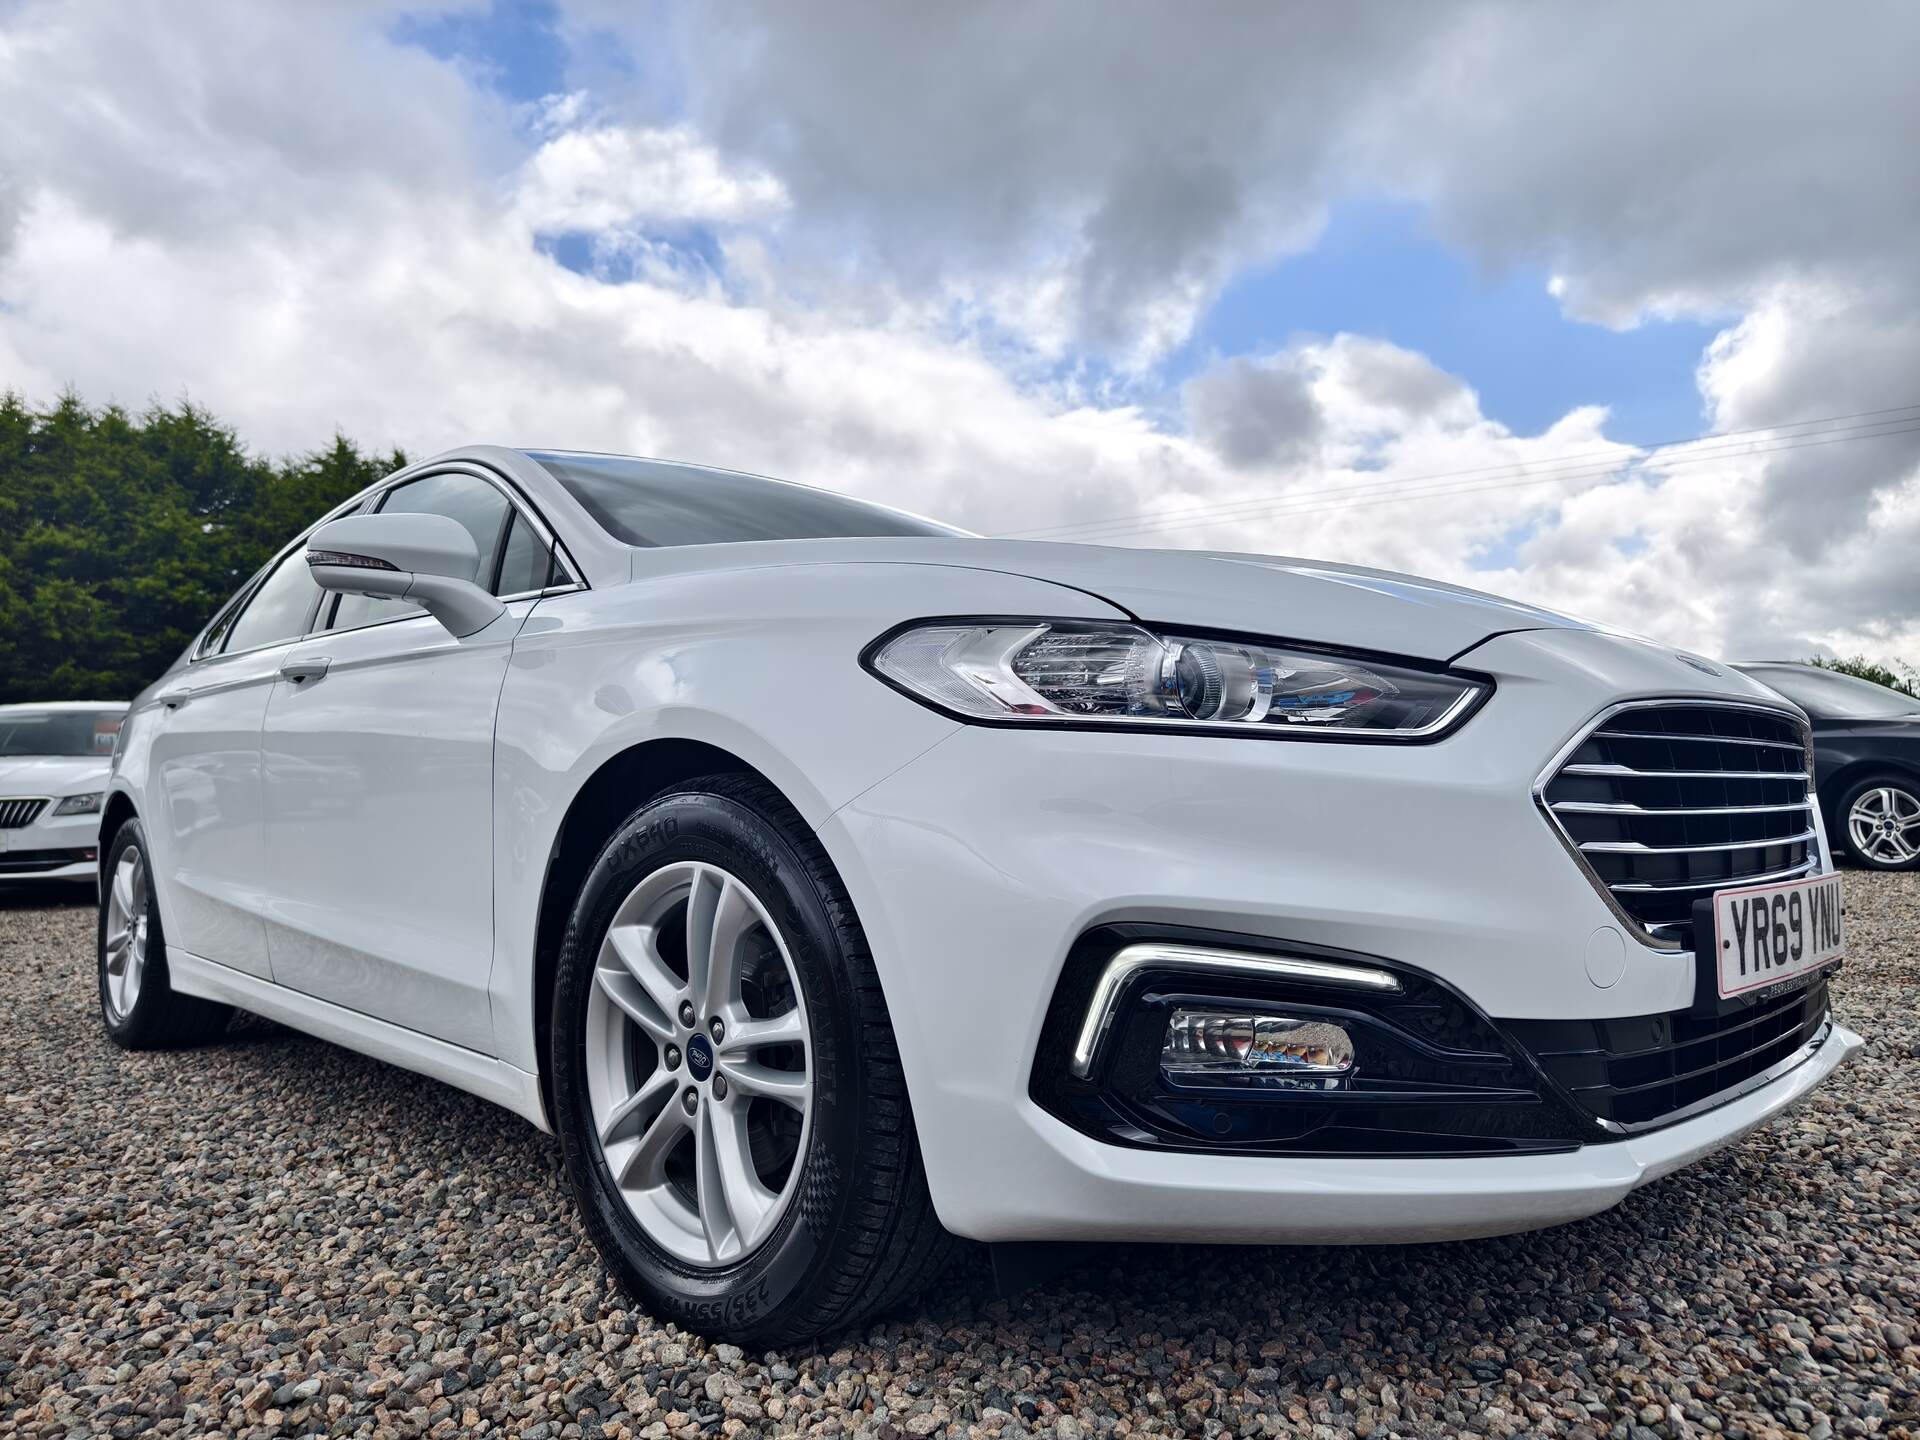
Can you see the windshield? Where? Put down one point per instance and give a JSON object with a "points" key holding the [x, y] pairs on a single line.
{"points": [[1833, 696], [654, 502], [58, 732]]}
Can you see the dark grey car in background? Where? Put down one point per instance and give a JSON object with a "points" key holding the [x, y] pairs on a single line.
{"points": [[1866, 753]]}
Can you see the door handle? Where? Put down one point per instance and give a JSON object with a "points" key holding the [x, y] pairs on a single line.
{"points": [[310, 668], [174, 699]]}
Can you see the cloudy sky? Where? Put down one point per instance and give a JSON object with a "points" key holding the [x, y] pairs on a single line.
{"points": [[1431, 287]]}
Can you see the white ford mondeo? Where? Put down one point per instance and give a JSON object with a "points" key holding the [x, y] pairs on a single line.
{"points": [[832, 882]]}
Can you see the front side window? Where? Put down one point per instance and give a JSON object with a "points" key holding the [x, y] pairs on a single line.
{"points": [[277, 611], [58, 732], [478, 506], [654, 502]]}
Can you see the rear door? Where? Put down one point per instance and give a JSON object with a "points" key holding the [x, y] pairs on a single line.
{"points": [[378, 761], [204, 807]]}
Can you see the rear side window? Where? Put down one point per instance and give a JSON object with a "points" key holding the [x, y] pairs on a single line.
{"points": [[278, 610]]}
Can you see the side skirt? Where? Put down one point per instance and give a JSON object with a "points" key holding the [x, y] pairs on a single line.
{"points": [[505, 1085]]}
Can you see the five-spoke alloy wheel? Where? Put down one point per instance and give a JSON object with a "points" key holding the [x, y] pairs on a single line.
{"points": [[696, 1053], [726, 1084], [124, 951], [1883, 824]]}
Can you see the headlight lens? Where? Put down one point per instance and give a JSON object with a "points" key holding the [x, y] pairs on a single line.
{"points": [[1075, 672], [80, 804]]}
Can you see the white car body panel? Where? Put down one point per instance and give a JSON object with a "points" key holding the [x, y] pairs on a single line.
{"points": [[369, 861], [203, 810], [383, 768]]}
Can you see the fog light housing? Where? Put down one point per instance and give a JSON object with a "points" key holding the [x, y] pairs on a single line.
{"points": [[1219, 1044]]}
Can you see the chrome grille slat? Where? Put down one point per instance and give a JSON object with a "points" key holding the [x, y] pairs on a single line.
{"points": [[1634, 847], [1613, 807], [1696, 739], [1628, 772], [1663, 802], [18, 812], [1635, 888]]}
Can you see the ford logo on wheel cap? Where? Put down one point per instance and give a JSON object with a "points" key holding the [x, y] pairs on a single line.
{"points": [[699, 1057]]}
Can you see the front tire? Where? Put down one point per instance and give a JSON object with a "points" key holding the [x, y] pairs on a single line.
{"points": [[138, 1004], [1880, 820], [727, 1089]]}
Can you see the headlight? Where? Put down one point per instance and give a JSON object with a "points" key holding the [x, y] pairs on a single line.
{"points": [[1074, 672], [79, 804]]}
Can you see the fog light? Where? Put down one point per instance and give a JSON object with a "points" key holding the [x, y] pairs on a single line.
{"points": [[1220, 1043]]}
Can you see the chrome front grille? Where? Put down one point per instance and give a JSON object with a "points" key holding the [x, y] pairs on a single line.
{"points": [[1666, 802], [16, 813]]}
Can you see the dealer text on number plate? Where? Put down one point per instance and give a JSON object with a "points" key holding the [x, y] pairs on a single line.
{"points": [[1765, 934]]}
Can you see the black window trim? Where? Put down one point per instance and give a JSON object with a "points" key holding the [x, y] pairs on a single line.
{"points": [[374, 495], [517, 503]]}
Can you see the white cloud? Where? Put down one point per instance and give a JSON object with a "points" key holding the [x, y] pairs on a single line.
{"points": [[930, 220], [619, 176]]}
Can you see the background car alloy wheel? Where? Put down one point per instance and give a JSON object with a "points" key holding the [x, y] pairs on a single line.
{"points": [[1883, 824], [126, 933], [697, 1045]]}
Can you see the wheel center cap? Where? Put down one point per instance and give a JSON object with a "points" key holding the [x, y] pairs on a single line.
{"points": [[699, 1056]]}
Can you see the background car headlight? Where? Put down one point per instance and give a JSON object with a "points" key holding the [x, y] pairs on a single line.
{"points": [[79, 804], [1075, 672]]}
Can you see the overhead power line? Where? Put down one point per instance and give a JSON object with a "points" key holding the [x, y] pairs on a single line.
{"points": [[1719, 445], [1281, 511]]}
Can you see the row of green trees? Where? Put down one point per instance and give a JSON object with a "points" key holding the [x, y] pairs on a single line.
{"points": [[120, 534]]}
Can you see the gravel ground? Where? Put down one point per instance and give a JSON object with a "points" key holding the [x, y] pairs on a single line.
{"points": [[276, 1236]]}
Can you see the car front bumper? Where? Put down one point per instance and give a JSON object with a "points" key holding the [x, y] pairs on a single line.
{"points": [[51, 848], [1054, 1183], [977, 868]]}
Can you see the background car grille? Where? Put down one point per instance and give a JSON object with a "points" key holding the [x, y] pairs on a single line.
{"points": [[1638, 1072], [16, 813], [1668, 803]]}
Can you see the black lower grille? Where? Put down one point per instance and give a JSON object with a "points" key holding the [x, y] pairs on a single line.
{"points": [[33, 862], [1640, 1071], [1667, 802]]}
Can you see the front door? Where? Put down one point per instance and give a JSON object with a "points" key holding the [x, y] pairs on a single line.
{"points": [[378, 762]]}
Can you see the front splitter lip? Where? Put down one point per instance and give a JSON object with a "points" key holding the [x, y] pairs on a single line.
{"points": [[1096, 1191]]}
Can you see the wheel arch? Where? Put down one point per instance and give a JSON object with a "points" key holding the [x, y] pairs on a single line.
{"points": [[620, 785], [120, 809]]}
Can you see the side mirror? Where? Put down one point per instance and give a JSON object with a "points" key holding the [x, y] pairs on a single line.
{"points": [[428, 559]]}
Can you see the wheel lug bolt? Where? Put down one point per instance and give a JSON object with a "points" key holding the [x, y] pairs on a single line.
{"points": [[690, 1101], [719, 1087], [673, 1057], [686, 1012], [716, 1029]]}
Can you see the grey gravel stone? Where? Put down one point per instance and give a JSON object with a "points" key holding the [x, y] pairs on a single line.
{"points": [[273, 1236]]}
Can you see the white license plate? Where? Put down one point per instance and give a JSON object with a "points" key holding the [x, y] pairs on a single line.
{"points": [[1765, 934]]}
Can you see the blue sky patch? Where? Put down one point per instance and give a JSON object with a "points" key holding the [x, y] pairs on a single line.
{"points": [[1378, 271]]}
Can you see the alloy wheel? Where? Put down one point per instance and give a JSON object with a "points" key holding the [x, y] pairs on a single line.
{"points": [[699, 1063], [1884, 825], [126, 933]]}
